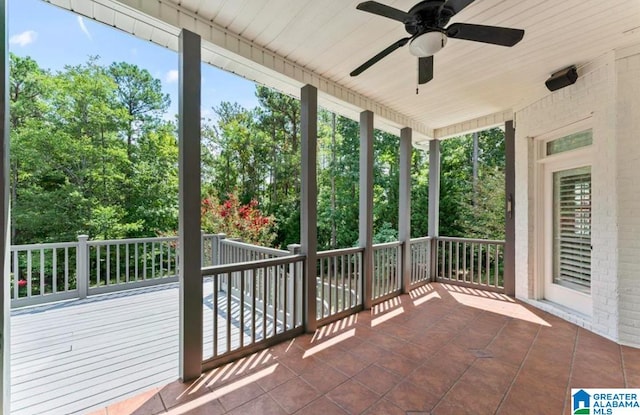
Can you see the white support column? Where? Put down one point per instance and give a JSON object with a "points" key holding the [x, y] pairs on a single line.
{"points": [[434, 202], [309, 198], [5, 221], [404, 206], [366, 205], [189, 222]]}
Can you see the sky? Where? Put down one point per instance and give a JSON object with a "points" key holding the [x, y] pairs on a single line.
{"points": [[55, 37]]}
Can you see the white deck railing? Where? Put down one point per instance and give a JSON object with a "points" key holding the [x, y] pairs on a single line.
{"points": [[43, 273], [420, 260], [265, 308], [339, 282], [386, 270], [477, 262]]}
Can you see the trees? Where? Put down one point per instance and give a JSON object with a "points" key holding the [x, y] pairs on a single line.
{"points": [[92, 152], [71, 162]]}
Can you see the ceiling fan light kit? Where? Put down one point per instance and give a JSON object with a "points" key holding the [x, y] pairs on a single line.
{"points": [[426, 22], [427, 44]]}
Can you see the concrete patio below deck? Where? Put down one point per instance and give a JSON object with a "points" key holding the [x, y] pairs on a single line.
{"points": [[441, 350]]}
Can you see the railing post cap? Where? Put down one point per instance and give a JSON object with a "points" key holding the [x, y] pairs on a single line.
{"points": [[83, 237], [294, 248]]}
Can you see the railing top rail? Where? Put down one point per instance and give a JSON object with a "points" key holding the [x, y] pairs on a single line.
{"points": [[51, 245], [421, 239], [244, 266], [256, 248], [337, 252], [131, 241], [470, 240], [387, 245]]}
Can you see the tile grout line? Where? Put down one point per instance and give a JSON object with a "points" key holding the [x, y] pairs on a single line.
{"points": [[624, 369], [465, 371], [504, 397], [573, 358]]}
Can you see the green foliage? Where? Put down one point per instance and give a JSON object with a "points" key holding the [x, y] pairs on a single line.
{"points": [[72, 171], [91, 152]]}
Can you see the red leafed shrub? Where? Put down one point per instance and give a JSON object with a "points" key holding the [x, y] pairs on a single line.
{"points": [[237, 220]]}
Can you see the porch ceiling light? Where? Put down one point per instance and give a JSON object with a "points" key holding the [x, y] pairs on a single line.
{"points": [[427, 44]]}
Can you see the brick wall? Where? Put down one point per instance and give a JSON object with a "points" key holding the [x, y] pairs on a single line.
{"points": [[593, 97], [628, 190]]}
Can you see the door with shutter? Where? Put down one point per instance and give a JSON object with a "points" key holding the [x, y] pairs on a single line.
{"points": [[568, 235]]}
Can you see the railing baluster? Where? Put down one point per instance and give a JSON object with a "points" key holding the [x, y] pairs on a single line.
{"points": [[29, 277], [479, 264], [16, 275], [126, 265], [144, 264], [107, 275], [457, 261], [135, 264], [216, 291], [488, 268], [464, 262], [42, 290], [265, 280], [330, 285], [162, 259], [294, 311], [472, 260], [321, 308], [285, 296], [342, 283], [241, 335], [495, 266], [253, 305], [118, 263], [153, 260], [66, 268], [275, 300], [229, 315], [54, 271]]}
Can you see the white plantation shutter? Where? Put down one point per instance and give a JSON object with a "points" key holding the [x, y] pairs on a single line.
{"points": [[572, 228]]}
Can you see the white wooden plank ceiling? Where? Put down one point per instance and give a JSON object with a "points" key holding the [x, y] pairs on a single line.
{"points": [[322, 41]]}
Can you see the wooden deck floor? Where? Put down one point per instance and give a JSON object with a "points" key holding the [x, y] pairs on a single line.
{"points": [[72, 357]]}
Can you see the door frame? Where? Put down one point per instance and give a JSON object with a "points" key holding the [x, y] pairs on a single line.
{"points": [[544, 167]]}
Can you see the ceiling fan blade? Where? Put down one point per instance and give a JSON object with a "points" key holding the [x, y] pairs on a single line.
{"points": [[425, 70], [379, 56], [494, 35], [457, 5], [385, 11]]}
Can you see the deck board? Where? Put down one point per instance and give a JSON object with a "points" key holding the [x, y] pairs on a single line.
{"points": [[80, 355]]}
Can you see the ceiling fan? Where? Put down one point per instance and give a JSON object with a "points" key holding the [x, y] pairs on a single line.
{"points": [[426, 22]]}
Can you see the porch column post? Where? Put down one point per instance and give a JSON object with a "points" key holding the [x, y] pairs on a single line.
{"points": [[5, 221], [510, 219], [366, 205], [309, 198], [189, 249], [434, 203], [404, 214]]}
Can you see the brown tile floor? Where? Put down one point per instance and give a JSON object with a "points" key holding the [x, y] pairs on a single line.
{"points": [[440, 350]]}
